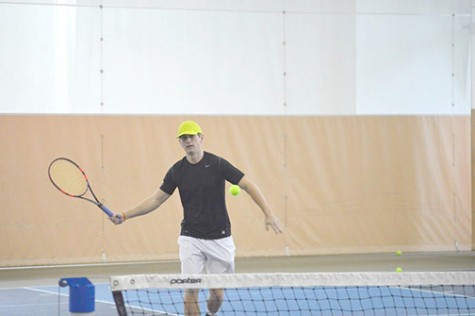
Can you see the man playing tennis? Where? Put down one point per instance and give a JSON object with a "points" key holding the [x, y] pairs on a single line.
{"points": [[205, 240]]}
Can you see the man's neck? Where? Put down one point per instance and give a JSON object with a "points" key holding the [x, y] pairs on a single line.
{"points": [[195, 157]]}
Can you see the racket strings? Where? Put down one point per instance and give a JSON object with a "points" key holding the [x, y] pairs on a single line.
{"points": [[68, 178]]}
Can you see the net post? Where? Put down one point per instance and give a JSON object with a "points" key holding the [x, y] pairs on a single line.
{"points": [[119, 303]]}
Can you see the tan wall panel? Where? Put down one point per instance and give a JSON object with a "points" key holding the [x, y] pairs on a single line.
{"points": [[339, 185], [379, 183]]}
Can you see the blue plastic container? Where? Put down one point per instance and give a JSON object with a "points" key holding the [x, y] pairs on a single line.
{"points": [[81, 294]]}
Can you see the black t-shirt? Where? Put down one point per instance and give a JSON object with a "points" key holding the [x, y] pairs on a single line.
{"points": [[202, 195]]}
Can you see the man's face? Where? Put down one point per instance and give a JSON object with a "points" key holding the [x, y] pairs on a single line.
{"points": [[191, 143]]}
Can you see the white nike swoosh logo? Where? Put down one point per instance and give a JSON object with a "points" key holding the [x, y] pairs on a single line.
{"points": [[206, 166]]}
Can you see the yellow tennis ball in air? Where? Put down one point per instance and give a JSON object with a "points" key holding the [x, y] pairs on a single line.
{"points": [[398, 269], [235, 189], [398, 252]]}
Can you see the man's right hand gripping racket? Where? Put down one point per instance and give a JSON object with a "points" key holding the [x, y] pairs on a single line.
{"points": [[71, 180]]}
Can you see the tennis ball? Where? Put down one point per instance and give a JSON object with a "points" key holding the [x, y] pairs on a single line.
{"points": [[398, 252], [398, 269], [235, 189]]}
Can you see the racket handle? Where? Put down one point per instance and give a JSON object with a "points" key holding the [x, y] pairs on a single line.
{"points": [[106, 210]]}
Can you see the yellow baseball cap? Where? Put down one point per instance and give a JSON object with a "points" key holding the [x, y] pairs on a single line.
{"points": [[189, 128]]}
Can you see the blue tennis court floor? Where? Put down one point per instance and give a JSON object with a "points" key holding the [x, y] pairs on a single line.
{"points": [[50, 300], [54, 300]]}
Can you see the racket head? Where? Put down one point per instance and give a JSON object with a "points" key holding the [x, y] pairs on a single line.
{"points": [[68, 177]]}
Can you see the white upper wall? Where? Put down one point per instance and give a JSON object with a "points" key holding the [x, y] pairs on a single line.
{"points": [[299, 57]]}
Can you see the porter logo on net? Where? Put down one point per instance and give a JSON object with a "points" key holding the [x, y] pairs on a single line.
{"points": [[185, 281]]}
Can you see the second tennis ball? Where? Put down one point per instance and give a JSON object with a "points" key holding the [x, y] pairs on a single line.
{"points": [[235, 189]]}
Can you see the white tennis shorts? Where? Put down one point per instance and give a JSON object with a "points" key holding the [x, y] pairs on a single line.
{"points": [[203, 255]]}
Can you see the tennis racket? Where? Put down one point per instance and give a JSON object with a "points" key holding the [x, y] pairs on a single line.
{"points": [[70, 179]]}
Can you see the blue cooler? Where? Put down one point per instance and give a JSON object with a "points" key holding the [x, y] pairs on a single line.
{"points": [[81, 295]]}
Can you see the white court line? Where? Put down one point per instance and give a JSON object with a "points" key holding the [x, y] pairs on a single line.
{"points": [[100, 301], [150, 310], [62, 294], [440, 295], [58, 293], [23, 304]]}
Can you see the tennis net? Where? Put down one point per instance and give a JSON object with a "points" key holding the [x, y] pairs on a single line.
{"points": [[362, 293]]}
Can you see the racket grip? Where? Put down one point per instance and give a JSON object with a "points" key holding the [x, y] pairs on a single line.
{"points": [[106, 210]]}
